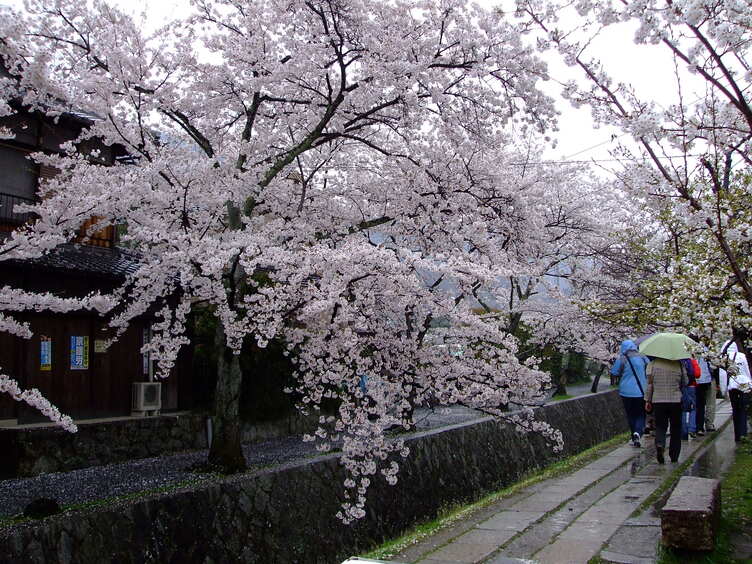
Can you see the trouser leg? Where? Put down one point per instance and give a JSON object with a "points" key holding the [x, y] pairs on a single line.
{"points": [[635, 410], [684, 425], [660, 413], [738, 413], [628, 413], [710, 407], [735, 397], [639, 404], [674, 413], [687, 416], [702, 395]]}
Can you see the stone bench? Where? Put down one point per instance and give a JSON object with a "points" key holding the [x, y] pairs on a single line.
{"points": [[689, 519]]}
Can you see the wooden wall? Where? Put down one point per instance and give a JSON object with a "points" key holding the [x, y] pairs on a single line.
{"points": [[101, 390], [10, 356]]}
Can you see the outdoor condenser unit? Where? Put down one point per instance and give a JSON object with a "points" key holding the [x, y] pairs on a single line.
{"points": [[147, 396]]}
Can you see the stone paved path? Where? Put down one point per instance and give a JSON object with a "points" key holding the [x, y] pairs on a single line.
{"points": [[574, 517]]}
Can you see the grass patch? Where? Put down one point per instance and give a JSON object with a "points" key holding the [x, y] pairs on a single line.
{"points": [[13, 520], [560, 397], [455, 512], [736, 515]]}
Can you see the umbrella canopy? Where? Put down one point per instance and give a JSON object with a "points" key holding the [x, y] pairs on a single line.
{"points": [[671, 346], [638, 341]]}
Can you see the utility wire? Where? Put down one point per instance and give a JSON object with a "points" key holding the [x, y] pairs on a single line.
{"points": [[596, 160], [613, 138]]}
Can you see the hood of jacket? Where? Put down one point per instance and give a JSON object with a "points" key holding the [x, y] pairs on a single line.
{"points": [[627, 346]]}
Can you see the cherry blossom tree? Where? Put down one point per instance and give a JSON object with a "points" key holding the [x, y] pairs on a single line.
{"points": [[309, 171], [690, 167], [569, 218]]}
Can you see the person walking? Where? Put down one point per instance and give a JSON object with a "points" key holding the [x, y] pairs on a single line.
{"points": [[712, 399], [689, 421], [692, 371], [665, 379], [629, 367], [704, 387], [739, 386]]}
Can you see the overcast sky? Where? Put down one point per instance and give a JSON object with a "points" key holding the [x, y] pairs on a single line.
{"points": [[648, 68]]}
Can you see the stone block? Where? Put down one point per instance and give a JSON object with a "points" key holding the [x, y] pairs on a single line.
{"points": [[689, 519]]}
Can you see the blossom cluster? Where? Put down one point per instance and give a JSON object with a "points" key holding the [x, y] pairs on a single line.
{"points": [[35, 399]]}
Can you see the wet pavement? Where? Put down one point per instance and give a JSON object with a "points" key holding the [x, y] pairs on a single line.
{"points": [[594, 511], [637, 540]]}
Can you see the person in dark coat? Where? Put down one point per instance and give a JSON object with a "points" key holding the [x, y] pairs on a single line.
{"points": [[666, 379]]}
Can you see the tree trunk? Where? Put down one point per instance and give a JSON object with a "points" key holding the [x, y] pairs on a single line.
{"points": [[561, 384], [514, 324], [558, 373], [226, 453]]}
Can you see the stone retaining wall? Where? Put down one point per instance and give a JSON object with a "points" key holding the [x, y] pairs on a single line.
{"points": [[286, 514], [40, 450]]}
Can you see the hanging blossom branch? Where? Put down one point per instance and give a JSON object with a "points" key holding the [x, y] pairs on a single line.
{"points": [[15, 300], [35, 399]]}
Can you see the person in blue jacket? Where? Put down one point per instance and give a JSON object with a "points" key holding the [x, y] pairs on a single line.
{"points": [[630, 368]]}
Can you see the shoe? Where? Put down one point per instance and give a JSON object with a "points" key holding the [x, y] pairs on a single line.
{"points": [[710, 429], [694, 435], [700, 433], [636, 439], [659, 455]]}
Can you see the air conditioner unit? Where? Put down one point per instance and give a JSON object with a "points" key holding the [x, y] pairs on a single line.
{"points": [[147, 396]]}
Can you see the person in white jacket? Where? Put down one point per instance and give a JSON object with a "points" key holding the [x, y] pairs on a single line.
{"points": [[739, 386]]}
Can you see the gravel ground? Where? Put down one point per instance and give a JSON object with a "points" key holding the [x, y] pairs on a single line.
{"points": [[101, 482], [112, 480]]}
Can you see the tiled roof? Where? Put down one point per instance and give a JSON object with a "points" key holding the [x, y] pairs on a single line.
{"points": [[115, 263]]}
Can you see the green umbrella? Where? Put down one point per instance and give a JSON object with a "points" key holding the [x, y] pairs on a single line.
{"points": [[671, 346]]}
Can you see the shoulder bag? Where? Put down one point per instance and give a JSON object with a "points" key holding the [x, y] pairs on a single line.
{"points": [[637, 379]]}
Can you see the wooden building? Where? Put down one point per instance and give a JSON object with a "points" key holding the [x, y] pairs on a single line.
{"points": [[66, 359]]}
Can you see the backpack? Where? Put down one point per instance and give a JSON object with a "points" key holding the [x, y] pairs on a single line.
{"points": [[691, 369]]}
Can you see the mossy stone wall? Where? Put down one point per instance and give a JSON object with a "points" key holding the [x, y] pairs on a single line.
{"points": [[286, 514]]}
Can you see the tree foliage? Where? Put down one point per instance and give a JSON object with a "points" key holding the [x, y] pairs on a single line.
{"points": [[331, 175], [689, 167]]}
